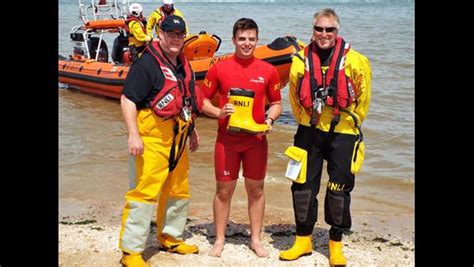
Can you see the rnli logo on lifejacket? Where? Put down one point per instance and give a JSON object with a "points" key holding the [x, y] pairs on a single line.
{"points": [[165, 101], [260, 79], [168, 74], [241, 103]]}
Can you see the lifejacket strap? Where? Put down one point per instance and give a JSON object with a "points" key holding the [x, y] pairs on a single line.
{"points": [[335, 120], [313, 85], [358, 124], [181, 145], [172, 162]]}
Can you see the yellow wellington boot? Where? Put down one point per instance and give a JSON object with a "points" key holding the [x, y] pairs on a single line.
{"points": [[303, 246], [242, 118], [133, 260], [178, 247], [336, 258]]}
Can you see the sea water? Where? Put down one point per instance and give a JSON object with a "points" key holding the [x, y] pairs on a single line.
{"points": [[92, 136]]}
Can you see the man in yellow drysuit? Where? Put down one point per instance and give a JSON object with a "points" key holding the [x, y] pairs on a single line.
{"points": [[158, 126], [330, 88]]}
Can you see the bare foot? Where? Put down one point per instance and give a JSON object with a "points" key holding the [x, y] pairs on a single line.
{"points": [[216, 250], [258, 248]]}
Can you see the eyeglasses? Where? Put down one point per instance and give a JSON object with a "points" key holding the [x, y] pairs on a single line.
{"points": [[321, 29], [179, 35]]}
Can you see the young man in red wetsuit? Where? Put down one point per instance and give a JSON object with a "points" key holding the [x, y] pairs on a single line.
{"points": [[242, 71]]}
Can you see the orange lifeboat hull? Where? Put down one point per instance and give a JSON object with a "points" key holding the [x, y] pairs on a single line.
{"points": [[99, 78], [107, 79]]}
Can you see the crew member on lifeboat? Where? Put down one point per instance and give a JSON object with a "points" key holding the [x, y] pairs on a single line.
{"points": [[136, 30], [159, 14]]}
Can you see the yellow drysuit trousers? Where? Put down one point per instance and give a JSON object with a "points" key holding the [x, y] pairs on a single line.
{"points": [[153, 179]]}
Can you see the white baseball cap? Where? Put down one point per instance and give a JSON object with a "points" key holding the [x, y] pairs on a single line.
{"points": [[168, 2]]}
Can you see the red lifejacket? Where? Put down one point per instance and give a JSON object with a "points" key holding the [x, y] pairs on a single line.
{"points": [[131, 18], [333, 87], [177, 92]]}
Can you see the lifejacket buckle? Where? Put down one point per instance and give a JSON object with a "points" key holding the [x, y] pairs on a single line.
{"points": [[323, 93], [185, 114], [187, 101], [318, 105]]}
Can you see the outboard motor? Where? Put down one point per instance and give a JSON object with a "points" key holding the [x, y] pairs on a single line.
{"points": [[79, 50], [119, 48]]}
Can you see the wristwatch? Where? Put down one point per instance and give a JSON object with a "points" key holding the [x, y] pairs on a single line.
{"points": [[273, 121]]}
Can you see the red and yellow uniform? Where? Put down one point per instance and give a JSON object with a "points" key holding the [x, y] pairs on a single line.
{"points": [[336, 147], [162, 170], [157, 16], [250, 74], [137, 32]]}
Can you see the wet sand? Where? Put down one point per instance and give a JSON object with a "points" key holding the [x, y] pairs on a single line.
{"points": [[93, 181]]}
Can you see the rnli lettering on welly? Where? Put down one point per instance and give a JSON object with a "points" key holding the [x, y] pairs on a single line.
{"points": [[241, 103], [335, 187], [165, 101]]}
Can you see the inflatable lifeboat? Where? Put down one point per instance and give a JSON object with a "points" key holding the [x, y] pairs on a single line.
{"points": [[107, 79], [89, 69], [94, 74]]}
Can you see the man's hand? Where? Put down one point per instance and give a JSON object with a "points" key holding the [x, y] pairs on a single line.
{"points": [[194, 141], [135, 145], [226, 110], [269, 122]]}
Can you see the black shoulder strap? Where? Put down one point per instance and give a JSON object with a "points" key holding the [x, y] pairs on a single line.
{"points": [[335, 76], [299, 56], [356, 122], [193, 97], [312, 84], [312, 81]]}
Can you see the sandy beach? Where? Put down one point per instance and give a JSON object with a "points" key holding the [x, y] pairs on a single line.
{"points": [[89, 219], [91, 239]]}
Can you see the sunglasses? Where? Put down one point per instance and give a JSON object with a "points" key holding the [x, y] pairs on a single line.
{"points": [[321, 29], [179, 35]]}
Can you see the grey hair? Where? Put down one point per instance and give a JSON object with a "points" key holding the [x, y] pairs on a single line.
{"points": [[327, 12]]}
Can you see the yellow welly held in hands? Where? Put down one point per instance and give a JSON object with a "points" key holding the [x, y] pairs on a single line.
{"points": [[242, 118], [303, 246], [336, 258]]}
